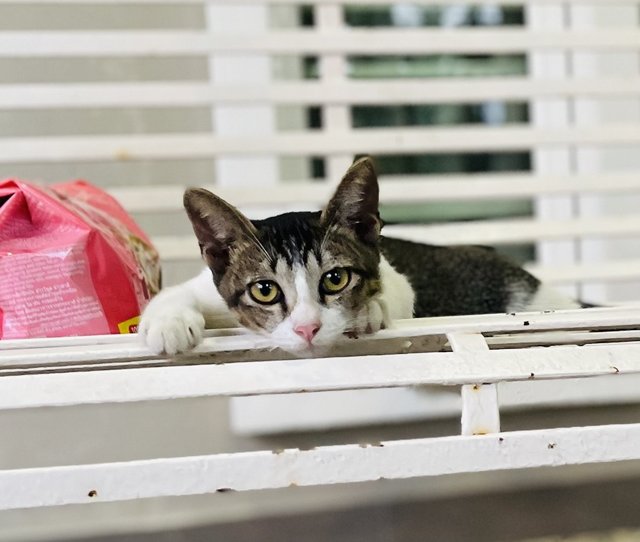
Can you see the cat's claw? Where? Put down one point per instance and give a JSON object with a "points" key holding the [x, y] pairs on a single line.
{"points": [[172, 333], [370, 319]]}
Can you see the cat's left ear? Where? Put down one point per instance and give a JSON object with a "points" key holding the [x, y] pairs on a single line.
{"points": [[218, 226], [355, 202]]}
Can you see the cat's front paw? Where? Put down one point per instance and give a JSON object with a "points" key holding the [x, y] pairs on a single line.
{"points": [[172, 332], [371, 318]]}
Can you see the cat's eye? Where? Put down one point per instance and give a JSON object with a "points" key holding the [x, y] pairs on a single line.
{"points": [[335, 281], [265, 292]]}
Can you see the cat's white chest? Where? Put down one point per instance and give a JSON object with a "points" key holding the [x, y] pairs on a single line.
{"points": [[397, 293]]}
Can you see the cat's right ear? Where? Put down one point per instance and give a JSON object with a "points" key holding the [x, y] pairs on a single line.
{"points": [[217, 225]]}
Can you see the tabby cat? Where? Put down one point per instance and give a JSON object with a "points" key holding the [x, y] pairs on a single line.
{"points": [[306, 279]]}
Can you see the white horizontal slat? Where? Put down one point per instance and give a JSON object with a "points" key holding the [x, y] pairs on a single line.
{"points": [[79, 353], [596, 318], [48, 342], [73, 359], [393, 189], [183, 94], [355, 41], [617, 270], [374, 141], [488, 232], [127, 352], [88, 354], [552, 338], [513, 231], [299, 375], [102, 43], [324, 465]]}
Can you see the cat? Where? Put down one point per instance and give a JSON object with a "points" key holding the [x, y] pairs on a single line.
{"points": [[305, 279]]}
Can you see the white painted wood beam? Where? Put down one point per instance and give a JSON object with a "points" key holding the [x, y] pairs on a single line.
{"points": [[221, 473]]}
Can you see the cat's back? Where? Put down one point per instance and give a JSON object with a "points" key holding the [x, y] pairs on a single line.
{"points": [[451, 280]]}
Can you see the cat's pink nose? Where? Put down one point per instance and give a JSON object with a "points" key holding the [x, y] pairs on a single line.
{"points": [[308, 331]]}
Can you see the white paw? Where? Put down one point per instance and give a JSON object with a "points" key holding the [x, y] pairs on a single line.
{"points": [[172, 332], [370, 319]]}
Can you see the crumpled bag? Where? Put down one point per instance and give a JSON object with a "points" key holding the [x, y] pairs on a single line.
{"points": [[72, 262]]}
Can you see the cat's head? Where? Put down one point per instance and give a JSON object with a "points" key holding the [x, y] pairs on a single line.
{"points": [[299, 278]]}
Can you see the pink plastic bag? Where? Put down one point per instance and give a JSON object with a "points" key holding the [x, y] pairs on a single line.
{"points": [[72, 262]]}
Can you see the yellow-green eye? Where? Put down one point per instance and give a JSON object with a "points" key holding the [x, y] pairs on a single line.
{"points": [[266, 292], [335, 281]]}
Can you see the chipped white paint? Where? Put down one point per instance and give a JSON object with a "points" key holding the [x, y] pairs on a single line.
{"points": [[127, 381], [121, 384], [480, 412], [594, 319], [326, 465]]}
